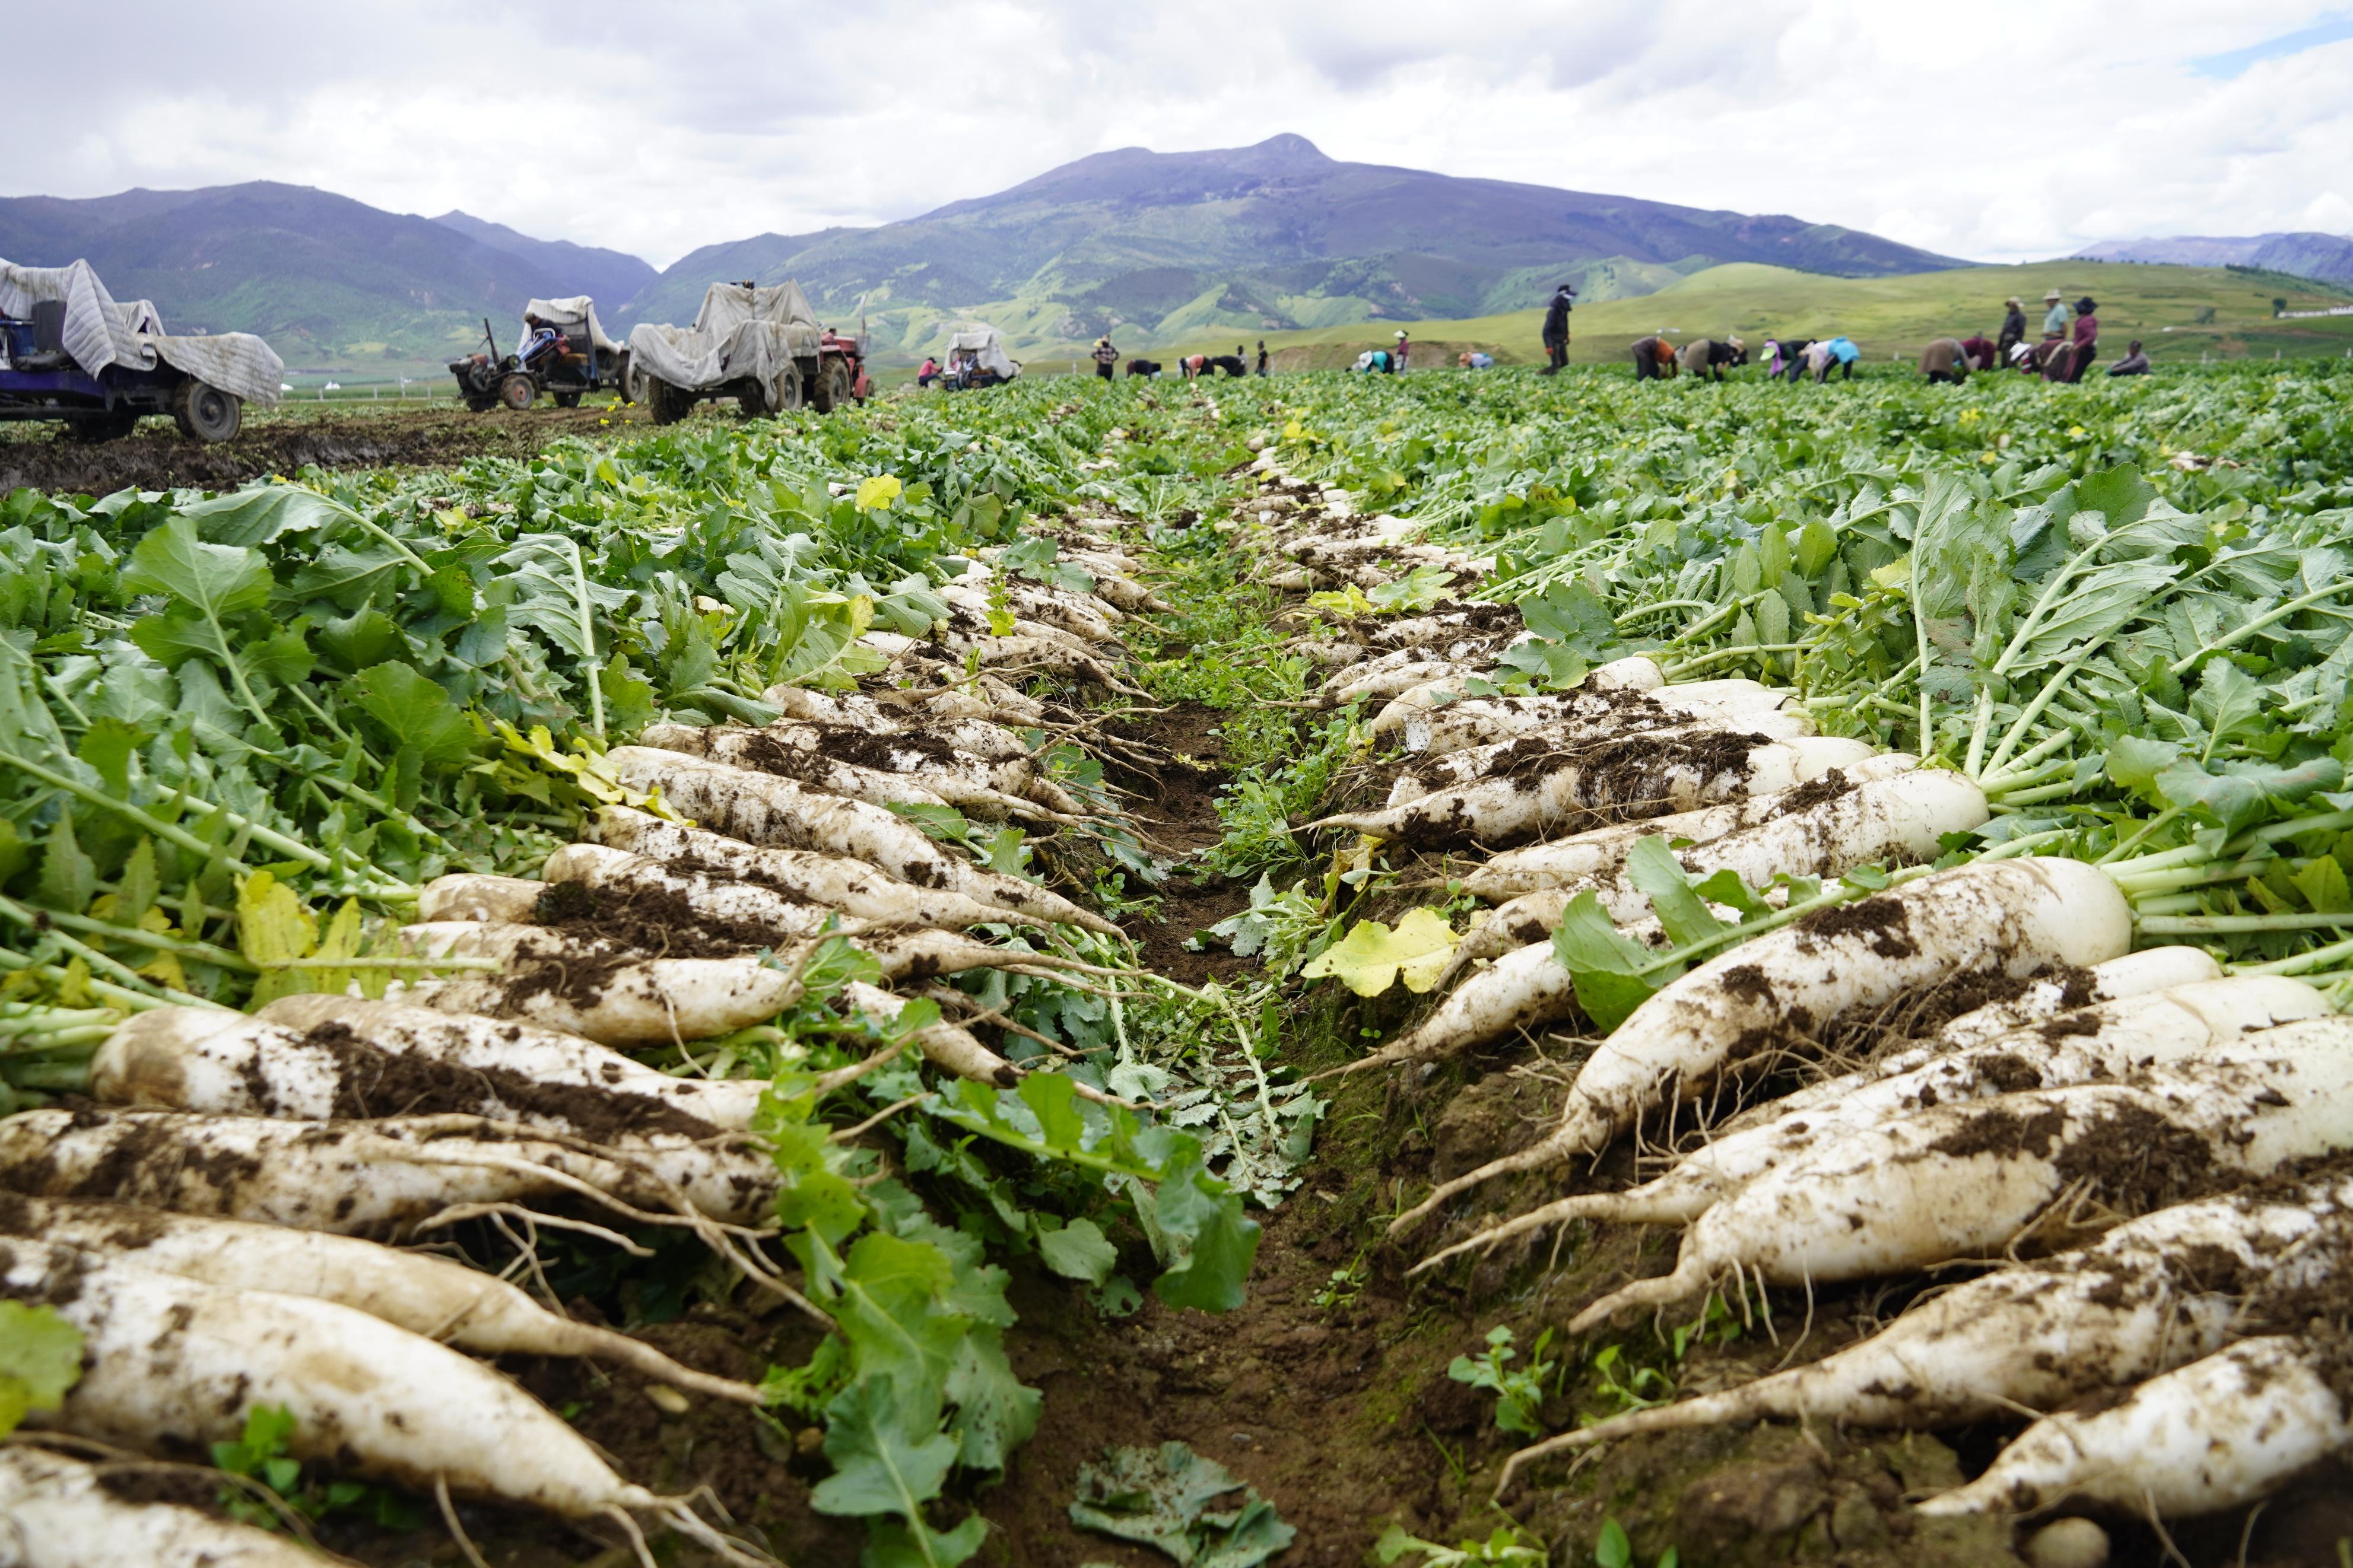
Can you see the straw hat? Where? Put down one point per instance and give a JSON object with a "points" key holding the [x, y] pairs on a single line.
{"points": [[2013, 304], [2052, 297], [1734, 341], [1401, 332]]}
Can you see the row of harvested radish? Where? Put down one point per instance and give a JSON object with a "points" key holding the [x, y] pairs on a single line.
{"points": [[2121, 1086], [206, 1227]]}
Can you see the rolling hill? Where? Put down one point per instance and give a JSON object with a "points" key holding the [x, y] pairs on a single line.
{"points": [[1156, 246], [2181, 313], [611, 277]]}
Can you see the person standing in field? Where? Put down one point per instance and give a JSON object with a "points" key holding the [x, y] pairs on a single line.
{"points": [[1555, 328], [1654, 359], [1400, 355], [2013, 327], [2054, 320], [2087, 337], [1106, 357], [1261, 356]]}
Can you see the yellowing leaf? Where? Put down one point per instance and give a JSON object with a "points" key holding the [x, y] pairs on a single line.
{"points": [[1895, 574], [41, 1358], [1368, 959], [878, 492], [272, 926], [1349, 603]]}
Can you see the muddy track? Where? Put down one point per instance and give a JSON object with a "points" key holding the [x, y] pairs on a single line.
{"points": [[158, 457]]}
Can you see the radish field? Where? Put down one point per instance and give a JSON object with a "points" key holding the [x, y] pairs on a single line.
{"points": [[1453, 969]]}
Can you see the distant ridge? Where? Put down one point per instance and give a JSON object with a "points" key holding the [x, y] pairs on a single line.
{"points": [[1156, 246], [2323, 257], [612, 278]]}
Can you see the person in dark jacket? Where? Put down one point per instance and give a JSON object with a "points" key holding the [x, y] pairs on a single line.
{"points": [[1786, 358], [1105, 357], [2013, 327], [1555, 328], [1654, 359], [2134, 362], [1261, 356], [1143, 367]]}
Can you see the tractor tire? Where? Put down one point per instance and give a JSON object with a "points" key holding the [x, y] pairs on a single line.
{"points": [[482, 405], [625, 378], [92, 429], [567, 399], [517, 392], [666, 402], [781, 396], [205, 413], [834, 387]]}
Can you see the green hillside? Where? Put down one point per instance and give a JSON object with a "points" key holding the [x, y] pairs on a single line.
{"points": [[2178, 312]]}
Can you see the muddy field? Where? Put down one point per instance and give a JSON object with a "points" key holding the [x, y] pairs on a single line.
{"points": [[158, 457]]}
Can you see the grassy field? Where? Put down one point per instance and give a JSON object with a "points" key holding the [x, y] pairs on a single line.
{"points": [[2180, 312]]}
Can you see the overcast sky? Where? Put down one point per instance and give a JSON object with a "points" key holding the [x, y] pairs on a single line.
{"points": [[2001, 131]]}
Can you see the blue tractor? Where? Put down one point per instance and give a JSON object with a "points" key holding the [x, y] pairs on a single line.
{"points": [[38, 379]]}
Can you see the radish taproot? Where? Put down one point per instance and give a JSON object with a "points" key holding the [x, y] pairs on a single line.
{"points": [[377, 1177], [762, 809], [1475, 723], [1453, 770], [1596, 855], [835, 881], [881, 772], [2108, 1041], [2152, 1294], [1967, 1181], [548, 1056], [1776, 992], [60, 1513], [617, 995], [176, 1058], [2218, 1433], [1534, 787], [173, 1362], [1887, 822], [474, 896], [414, 1290]]}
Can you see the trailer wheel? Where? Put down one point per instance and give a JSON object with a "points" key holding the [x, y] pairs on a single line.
{"points": [[833, 389], [567, 400], [205, 413], [517, 392], [666, 402], [93, 428], [624, 377]]}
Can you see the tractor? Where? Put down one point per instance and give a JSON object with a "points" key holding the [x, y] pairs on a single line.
{"points": [[758, 343], [563, 353]]}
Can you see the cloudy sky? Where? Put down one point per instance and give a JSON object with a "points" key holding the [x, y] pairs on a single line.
{"points": [[2001, 130]]}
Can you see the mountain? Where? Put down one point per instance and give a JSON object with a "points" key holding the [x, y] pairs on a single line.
{"points": [[2323, 257], [611, 277], [1157, 245], [325, 278]]}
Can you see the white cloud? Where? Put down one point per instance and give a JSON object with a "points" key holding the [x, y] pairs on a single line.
{"points": [[2001, 130]]}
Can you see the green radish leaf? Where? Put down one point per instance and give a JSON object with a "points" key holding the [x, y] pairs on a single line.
{"points": [[107, 746], [365, 637], [414, 713], [40, 1360], [2135, 761], [1210, 1242], [2323, 887], [995, 1412], [877, 1466], [2119, 495], [1613, 1550], [1604, 965], [2228, 703], [69, 877], [1652, 868], [1078, 1251], [1817, 548], [263, 513], [215, 581]]}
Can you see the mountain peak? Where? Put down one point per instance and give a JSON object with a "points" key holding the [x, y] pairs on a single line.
{"points": [[1291, 148]]}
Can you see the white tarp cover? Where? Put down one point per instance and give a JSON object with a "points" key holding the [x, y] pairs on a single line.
{"points": [[740, 333], [563, 314], [980, 341], [99, 332]]}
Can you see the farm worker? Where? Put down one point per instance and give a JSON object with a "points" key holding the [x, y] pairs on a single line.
{"points": [[1706, 357], [1844, 351], [1472, 359], [930, 372], [2087, 337], [2134, 362], [1981, 355], [1106, 357], [2054, 320], [1653, 357], [1261, 356], [2013, 326], [2058, 359], [1944, 360], [1556, 327], [1404, 348]]}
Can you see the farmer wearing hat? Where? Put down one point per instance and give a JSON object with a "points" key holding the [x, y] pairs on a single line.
{"points": [[1106, 357], [2013, 328], [2054, 320], [1556, 327], [1398, 357]]}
